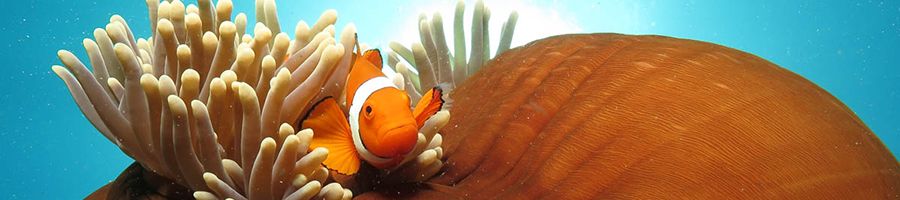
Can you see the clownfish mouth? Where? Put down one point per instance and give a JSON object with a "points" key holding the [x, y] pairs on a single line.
{"points": [[398, 140]]}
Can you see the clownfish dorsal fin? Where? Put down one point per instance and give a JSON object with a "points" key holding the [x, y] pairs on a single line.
{"points": [[371, 55], [356, 44], [331, 131], [430, 104], [374, 57], [362, 70]]}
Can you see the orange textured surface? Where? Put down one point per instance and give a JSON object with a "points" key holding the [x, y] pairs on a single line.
{"points": [[608, 116]]}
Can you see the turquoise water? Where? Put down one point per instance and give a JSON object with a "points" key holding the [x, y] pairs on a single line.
{"points": [[49, 151]]}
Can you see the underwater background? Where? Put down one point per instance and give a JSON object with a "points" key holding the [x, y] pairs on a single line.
{"points": [[50, 151]]}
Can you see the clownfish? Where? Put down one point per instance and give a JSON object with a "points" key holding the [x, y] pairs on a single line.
{"points": [[380, 127]]}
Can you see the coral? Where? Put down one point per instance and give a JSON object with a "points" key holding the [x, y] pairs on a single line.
{"points": [[431, 59]]}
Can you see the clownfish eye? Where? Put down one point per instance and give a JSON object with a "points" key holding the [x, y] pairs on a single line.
{"points": [[368, 111]]}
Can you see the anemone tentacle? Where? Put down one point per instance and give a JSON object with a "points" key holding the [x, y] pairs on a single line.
{"points": [[430, 62], [210, 107]]}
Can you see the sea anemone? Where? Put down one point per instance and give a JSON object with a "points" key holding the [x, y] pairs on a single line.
{"points": [[210, 108], [431, 59], [611, 116], [433, 67]]}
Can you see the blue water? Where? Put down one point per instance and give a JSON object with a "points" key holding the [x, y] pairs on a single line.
{"points": [[49, 151]]}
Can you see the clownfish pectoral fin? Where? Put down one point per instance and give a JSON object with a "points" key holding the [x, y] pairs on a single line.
{"points": [[374, 57], [331, 131], [430, 104]]}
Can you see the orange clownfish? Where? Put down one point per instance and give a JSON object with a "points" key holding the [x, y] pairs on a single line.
{"points": [[380, 128]]}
